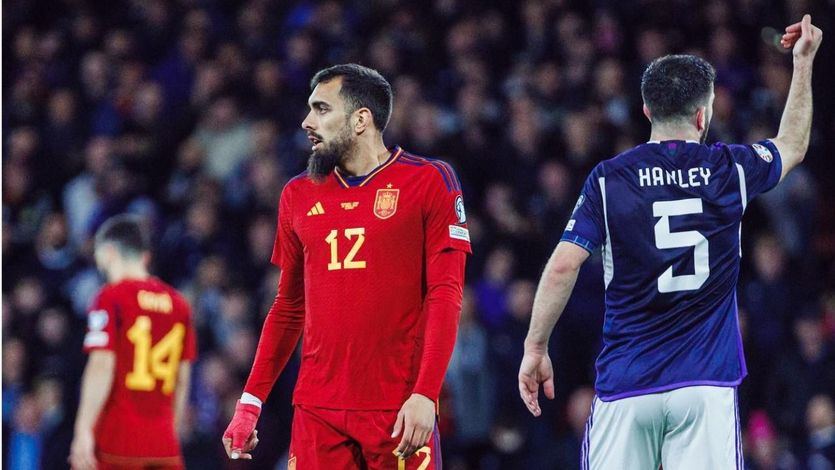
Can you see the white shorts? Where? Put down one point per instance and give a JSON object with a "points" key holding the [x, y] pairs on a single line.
{"points": [[683, 429]]}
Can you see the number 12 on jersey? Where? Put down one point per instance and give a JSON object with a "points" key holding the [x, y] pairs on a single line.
{"points": [[358, 235], [665, 239]]}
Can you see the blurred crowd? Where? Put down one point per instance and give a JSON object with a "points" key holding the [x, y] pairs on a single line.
{"points": [[188, 113]]}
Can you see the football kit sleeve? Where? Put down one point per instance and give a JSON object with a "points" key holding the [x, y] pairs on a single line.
{"points": [[190, 349], [447, 243], [442, 307], [101, 324], [284, 323], [445, 219], [760, 165], [585, 228]]}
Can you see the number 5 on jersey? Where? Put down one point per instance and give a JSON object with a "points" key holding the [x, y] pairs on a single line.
{"points": [[665, 239]]}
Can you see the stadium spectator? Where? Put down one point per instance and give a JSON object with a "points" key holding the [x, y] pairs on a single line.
{"points": [[766, 451], [14, 379], [820, 422], [26, 442], [801, 375], [570, 440], [471, 382], [768, 298], [55, 426], [491, 291]]}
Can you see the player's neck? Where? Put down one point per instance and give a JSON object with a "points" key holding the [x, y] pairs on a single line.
{"points": [[365, 157], [662, 133], [127, 272]]}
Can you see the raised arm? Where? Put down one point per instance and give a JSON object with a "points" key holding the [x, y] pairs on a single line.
{"points": [[793, 136]]}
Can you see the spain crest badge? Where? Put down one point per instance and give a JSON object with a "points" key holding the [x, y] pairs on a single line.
{"points": [[385, 205]]}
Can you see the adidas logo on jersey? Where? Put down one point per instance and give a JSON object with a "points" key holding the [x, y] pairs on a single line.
{"points": [[317, 209]]}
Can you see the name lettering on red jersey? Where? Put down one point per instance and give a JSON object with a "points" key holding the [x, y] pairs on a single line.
{"points": [[159, 302], [350, 205]]}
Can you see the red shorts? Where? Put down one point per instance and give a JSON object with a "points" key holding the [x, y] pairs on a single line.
{"points": [[108, 466], [328, 439], [114, 462]]}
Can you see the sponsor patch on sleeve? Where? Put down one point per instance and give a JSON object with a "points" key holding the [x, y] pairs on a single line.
{"points": [[580, 201], [570, 225], [96, 337], [459, 210], [763, 152], [459, 233]]}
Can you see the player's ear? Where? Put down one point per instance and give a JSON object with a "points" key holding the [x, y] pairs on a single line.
{"points": [[362, 120], [146, 258], [701, 118], [647, 113], [109, 254]]}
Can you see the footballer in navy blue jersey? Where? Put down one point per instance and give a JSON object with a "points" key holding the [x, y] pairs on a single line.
{"points": [[667, 218]]}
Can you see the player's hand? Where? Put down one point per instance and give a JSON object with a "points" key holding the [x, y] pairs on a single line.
{"points": [[416, 420], [536, 369], [83, 451], [240, 436], [803, 37]]}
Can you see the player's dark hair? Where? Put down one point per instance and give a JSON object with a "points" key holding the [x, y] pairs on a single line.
{"points": [[674, 86], [126, 233], [362, 87]]}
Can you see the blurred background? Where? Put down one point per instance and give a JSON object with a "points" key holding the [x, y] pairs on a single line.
{"points": [[187, 112]]}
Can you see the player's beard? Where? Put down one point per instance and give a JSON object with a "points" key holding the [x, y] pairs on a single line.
{"points": [[322, 161]]}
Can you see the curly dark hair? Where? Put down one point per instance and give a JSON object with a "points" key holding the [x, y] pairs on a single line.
{"points": [[362, 87], [673, 86]]}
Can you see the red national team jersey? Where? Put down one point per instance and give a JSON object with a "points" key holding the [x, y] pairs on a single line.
{"points": [[147, 324], [363, 244]]}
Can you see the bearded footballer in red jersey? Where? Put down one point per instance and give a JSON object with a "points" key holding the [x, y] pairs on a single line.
{"points": [[372, 244], [141, 343]]}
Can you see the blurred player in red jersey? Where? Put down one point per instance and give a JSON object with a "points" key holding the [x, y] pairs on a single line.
{"points": [[372, 244], [141, 343]]}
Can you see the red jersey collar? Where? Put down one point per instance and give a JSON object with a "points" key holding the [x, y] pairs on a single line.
{"points": [[353, 181]]}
